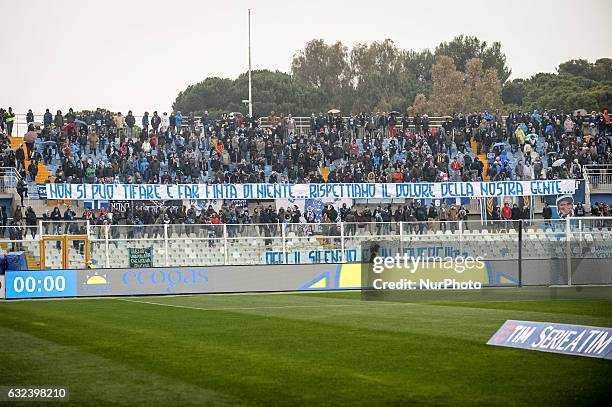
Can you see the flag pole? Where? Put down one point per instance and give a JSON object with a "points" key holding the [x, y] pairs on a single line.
{"points": [[250, 83]]}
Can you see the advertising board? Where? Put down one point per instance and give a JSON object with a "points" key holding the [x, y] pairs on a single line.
{"points": [[183, 280], [41, 284], [577, 340]]}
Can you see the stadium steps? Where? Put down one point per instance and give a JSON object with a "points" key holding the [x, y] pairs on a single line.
{"points": [[33, 264], [540, 143], [43, 171], [482, 157]]}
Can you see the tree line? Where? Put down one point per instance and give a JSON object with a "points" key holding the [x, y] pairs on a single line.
{"points": [[462, 75]]}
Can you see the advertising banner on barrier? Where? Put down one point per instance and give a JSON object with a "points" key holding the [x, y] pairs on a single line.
{"points": [[97, 282], [311, 256], [183, 280], [423, 190], [2, 290], [220, 279], [577, 340], [41, 284]]}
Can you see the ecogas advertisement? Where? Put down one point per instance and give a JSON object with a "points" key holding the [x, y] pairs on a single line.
{"points": [[181, 280]]}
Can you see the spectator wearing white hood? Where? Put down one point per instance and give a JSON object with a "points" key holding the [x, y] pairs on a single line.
{"points": [[568, 125], [528, 172], [146, 146], [165, 122]]}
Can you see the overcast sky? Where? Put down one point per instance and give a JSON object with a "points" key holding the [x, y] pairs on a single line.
{"points": [[139, 54]]}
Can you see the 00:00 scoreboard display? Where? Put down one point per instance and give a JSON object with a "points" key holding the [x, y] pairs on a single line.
{"points": [[41, 284]]}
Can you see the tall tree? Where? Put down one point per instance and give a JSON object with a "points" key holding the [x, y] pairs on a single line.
{"points": [[418, 64], [513, 92], [326, 67], [463, 48], [483, 88], [376, 71], [601, 70], [566, 92], [420, 105], [210, 94], [578, 67], [462, 75], [454, 91], [448, 89], [271, 91]]}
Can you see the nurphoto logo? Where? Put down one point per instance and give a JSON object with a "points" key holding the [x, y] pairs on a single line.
{"points": [[405, 272]]}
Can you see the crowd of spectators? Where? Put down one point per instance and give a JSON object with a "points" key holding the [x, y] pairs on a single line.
{"points": [[564, 142], [103, 147], [147, 221], [107, 147]]}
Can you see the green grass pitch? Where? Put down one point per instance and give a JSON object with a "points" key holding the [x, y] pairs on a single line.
{"points": [[294, 349]]}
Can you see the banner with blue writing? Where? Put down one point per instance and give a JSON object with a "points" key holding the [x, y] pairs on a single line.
{"points": [[351, 255], [426, 191]]}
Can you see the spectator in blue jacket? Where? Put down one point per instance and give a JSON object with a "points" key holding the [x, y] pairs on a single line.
{"points": [[179, 121]]}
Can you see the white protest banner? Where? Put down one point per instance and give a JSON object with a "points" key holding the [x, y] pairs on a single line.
{"points": [[424, 190]]}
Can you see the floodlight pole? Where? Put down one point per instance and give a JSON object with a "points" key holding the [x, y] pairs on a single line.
{"points": [[250, 90]]}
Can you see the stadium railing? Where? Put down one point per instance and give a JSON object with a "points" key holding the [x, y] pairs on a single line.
{"points": [[599, 177], [9, 177], [302, 124], [246, 244]]}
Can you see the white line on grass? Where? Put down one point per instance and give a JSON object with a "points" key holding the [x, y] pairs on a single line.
{"points": [[249, 308], [112, 297], [81, 298]]}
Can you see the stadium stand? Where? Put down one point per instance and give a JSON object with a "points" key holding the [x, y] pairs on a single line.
{"points": [[104, 147]]}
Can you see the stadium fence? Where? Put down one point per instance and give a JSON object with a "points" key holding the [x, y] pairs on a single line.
{"points": [[572, 243]]}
